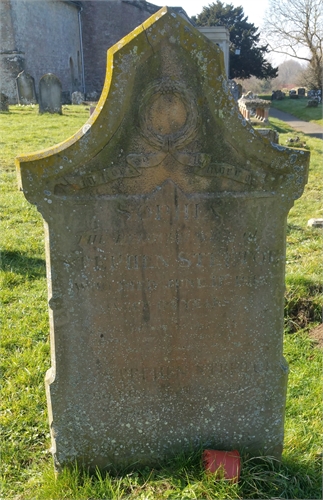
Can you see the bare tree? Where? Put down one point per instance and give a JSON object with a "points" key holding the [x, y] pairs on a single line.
{"points": [[294, 25], [288, 74]]}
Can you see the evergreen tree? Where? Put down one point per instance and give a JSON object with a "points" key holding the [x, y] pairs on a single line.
{"points": [[247, 57]]}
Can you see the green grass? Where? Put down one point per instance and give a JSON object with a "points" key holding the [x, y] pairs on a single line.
{"points": [[27, 469], [23, 127], [298, 107]]}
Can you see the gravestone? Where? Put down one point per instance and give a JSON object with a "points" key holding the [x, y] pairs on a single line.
{"points": [[312, 103], [301, 91], [4, 102], [50, 94], [270, 134], [165, 222], [26, 89], [236, 89], [278, 95], [77, 97]]}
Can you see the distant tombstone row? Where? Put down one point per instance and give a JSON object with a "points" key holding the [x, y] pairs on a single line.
{"points": [[293, 94], [51, 96], [50, 92]]}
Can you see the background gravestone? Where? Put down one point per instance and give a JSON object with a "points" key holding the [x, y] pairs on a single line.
{"points": [[26, 88], [77, 97], [234, 89], [4, 102], [165, 222], [50, 94]]}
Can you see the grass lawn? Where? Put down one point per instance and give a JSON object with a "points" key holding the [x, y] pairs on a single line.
{"points": [[298, 107], [27, 469]]}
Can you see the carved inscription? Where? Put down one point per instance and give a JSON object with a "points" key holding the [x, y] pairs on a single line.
{"points": [[169, 259], [182, 372]]}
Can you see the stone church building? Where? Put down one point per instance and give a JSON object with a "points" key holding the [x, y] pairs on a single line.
{"points": [[66, 37]]}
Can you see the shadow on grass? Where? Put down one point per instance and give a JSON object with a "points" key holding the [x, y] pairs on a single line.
{"points": [[316, 135], [282, 129], [21, 263], [294, 227]]}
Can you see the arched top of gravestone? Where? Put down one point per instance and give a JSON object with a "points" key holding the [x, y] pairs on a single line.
{"points": [[50, 94], [166, 113], [26, 88]]}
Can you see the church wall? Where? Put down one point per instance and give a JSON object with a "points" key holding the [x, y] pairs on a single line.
{"points": [[105, 23], [47, 32], [44, 37], [11, 60]]}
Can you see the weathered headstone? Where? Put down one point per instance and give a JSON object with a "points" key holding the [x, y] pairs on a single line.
{"points": [[92, 96], [77, 97], [236, 89], [270, 134], [26, 88], [301, 91], [165, 235], [312, 103], [293, 94], [4, 102], [50, 94], [278, 95]]}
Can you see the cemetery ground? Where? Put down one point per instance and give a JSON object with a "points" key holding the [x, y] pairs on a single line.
{"points": [[298, 107], [27, 468]]}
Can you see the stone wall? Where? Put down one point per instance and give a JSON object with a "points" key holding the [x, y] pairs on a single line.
{"points": [[11, 60], [104, 23], [41, 37], [44, 37]]}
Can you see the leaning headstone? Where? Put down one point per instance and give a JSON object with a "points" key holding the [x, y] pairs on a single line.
{"points": [[77, 97], [4, 102], [26, 88], [165, 235], [50, 94]]}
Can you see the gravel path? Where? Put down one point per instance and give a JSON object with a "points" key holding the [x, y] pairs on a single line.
{"points": [[306, 127]]}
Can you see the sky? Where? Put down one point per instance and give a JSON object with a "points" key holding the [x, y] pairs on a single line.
{"points": [[253, 9]]}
